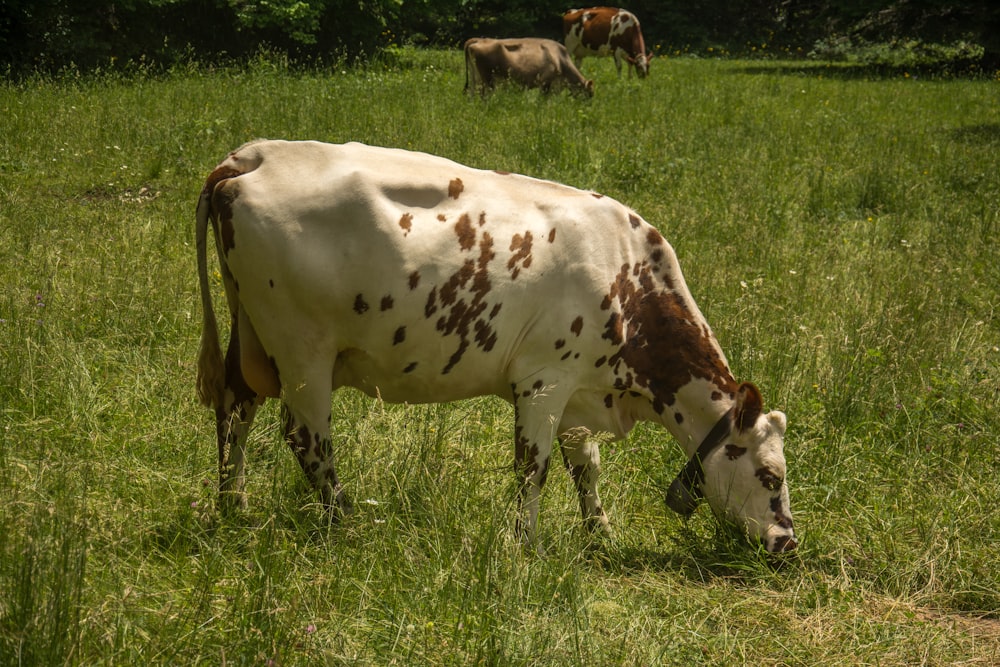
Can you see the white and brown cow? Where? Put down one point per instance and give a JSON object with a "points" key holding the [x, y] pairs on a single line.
{"points": [[531, 62], [417, 279], [606, 31]]}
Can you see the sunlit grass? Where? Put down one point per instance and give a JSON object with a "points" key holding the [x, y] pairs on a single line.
{"points": [[838, 232]]}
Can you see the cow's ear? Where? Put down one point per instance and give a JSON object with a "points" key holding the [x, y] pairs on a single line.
{"points": [[749, 405]]}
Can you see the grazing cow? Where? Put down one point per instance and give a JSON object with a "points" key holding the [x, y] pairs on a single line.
{"points": [[417, 279], [604, 31], [531, 62]]}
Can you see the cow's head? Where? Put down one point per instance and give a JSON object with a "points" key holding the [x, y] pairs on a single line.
{"points": [[740, 470], [641, 62]]}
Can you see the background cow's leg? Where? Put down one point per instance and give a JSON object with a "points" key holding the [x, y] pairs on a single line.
{"points": [[233, 420], [537, 409], [581, 454], [306, 412]]}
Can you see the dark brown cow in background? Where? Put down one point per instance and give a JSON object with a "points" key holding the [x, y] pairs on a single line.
{"points": [[529, 61], [606, 31]]}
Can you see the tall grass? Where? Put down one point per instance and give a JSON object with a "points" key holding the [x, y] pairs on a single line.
{"points": [[838, 232]]}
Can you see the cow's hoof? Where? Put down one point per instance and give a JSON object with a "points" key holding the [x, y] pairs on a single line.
{"points": [[230, 502]]}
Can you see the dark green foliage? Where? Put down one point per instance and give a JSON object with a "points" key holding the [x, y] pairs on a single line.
{"points": [[54, 35]]}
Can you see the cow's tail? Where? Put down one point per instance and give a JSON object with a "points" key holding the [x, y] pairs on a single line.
{"points": [[211, 369], [471, 74], [466, 89]]}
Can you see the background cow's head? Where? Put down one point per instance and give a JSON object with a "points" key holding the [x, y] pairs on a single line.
{"points": [[641, 62], [740, 471]]}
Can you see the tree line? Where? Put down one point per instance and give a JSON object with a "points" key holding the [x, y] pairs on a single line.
{"points": [[52, 35]]}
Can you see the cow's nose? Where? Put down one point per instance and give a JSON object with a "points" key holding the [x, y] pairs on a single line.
{"points": [[783, 543]]}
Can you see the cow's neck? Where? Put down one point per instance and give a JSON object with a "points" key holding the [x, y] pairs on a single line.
{"points": [[696, 408]]}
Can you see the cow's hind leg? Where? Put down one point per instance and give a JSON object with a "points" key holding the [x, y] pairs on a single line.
{"points": [[233, 420], [581, 454], [306, 412]]}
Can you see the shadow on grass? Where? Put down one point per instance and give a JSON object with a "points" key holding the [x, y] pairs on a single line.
{"points": [[189, 528], [868, 72], [701, 558], [988, 133]]}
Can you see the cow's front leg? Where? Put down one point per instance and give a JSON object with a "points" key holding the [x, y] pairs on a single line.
{"points": [[309, 439], [582, 457], [232, 426], [537, 409]]}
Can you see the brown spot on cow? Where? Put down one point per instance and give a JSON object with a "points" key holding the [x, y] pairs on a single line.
{"points": [[560, 343], [360, 305], [406, 223], [734, 452], [227, 233], [486, 337], [441, 217], [520, 446], [399, 336], [614, 329], [655, 238], [770, 481], [386, 303], [410, 367], [222, 195], [678, 417], [458, 281], [465, 232], [219, 174], [463, 299], [661, 339], [634, 220], [521, 247], [609, 401], [414, 280], [455, 188], [431, 306], [780, 517], [552, 235], [577, 326], [600, 361]]}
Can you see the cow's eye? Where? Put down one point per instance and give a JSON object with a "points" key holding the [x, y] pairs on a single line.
{"points": [[770, 481]]}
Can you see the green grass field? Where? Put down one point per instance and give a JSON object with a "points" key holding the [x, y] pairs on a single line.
{"points": [[838, 231]]}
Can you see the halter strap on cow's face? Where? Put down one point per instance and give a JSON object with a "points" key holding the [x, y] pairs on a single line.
{"points": [[685, 491]]}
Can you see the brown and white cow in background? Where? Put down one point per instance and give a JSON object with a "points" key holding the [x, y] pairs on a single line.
{"points": [[606, 31], [417, 279], [531, 62]]}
